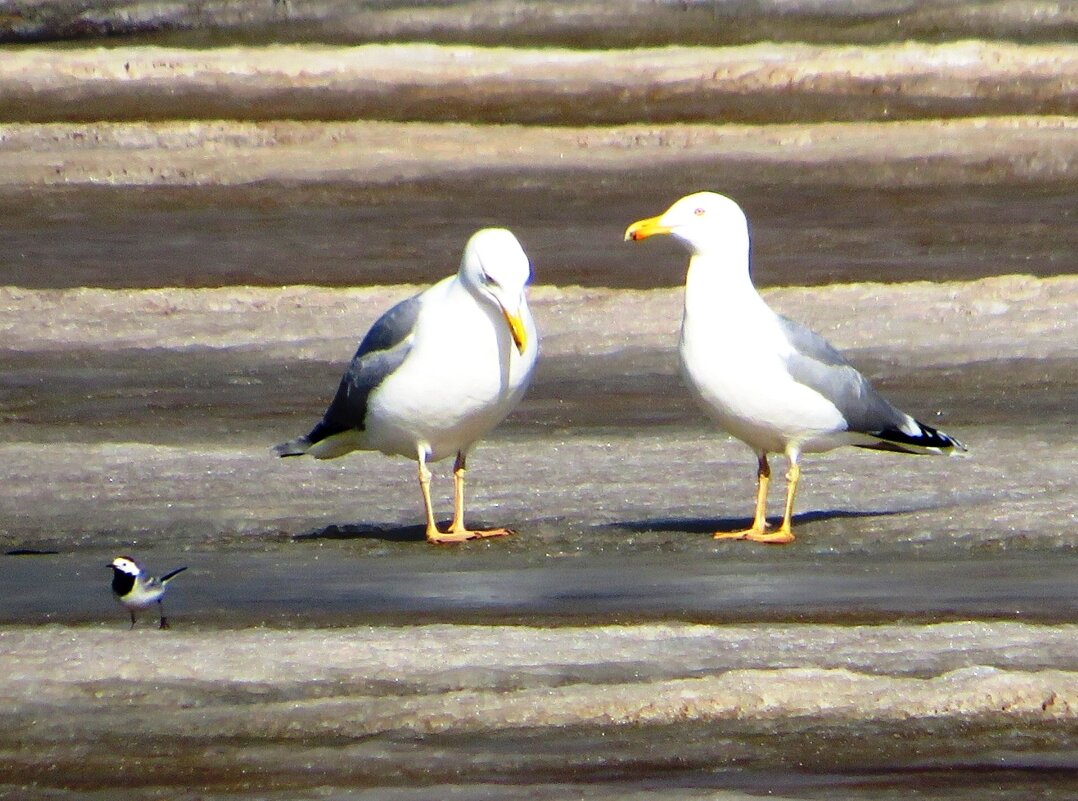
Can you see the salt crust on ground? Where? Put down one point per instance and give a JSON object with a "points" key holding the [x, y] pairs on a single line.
{"points": [[950, 68], [223, 153], [1008, 316], [355, 682]]}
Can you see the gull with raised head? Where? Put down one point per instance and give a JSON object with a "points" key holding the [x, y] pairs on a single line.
{"points": [[765, 379]]}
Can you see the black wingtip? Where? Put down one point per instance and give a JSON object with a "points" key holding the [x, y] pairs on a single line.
{"points": [[294, 447], [928, 438]]}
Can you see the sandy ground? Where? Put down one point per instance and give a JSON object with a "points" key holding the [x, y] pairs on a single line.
{"points": [[479, 704], [916, 153], [141, 420], [759, 83], [259, 363]]}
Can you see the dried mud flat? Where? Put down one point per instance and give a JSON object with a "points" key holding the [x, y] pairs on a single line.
{"points": [[760, 83], [507, 712], [141, 420], [320, 647], [917, 641], [172, 398]]}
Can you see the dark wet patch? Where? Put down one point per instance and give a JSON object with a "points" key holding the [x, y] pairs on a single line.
{"points": [[566, 23], [460, 101], [170, 397], [809, 227], [328, 582]]}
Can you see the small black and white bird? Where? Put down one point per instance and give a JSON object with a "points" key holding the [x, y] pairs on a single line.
{"points": [[136, 590], [767, 380]]}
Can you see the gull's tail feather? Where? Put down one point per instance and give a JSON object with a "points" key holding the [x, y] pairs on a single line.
{"points": [[294, 447], [917, 438], [327, 440], [170, 574]]}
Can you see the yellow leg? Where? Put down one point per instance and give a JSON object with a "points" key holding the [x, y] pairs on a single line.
{"points": [[458, 494], [424, 486], [759, 521], [759, 531], [458, 532], [793, 475]]}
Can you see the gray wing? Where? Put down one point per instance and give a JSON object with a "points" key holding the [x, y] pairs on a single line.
{"points": [[816, 364], [380, 353]]}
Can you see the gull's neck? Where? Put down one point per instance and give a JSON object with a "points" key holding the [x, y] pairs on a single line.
{"points": [[718, 289]]}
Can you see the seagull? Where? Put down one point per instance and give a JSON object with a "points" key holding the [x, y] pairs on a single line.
{"points": [[765, 379], [136, 590], [438, 371]]}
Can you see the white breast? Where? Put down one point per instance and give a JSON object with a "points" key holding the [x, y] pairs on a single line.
{"points": [[733, 358], [461, 378]]}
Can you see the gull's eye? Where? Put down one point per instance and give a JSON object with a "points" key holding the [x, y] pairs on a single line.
{"points": [[699, 212], [487, 280]]}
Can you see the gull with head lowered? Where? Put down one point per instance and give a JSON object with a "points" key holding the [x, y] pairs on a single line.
{"points": [[768, 381], [437, 372]]}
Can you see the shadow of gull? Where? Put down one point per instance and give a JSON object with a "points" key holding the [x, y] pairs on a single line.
{"points": [[711, 525], [364, 531], [368, 531]]}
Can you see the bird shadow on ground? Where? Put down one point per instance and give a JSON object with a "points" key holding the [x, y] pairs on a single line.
{"points": [[368, 531], [711, 525], [365, 531]]}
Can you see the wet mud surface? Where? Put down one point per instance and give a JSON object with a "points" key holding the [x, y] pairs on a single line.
{"points": [[345, 235]]}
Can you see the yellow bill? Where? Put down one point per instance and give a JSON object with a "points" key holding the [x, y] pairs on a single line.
{"points": [[516, 329], [642, 229]]}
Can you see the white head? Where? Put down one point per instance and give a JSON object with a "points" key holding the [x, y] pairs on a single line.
{"points": [[125, 564], [496, 269], [709, 223]]}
